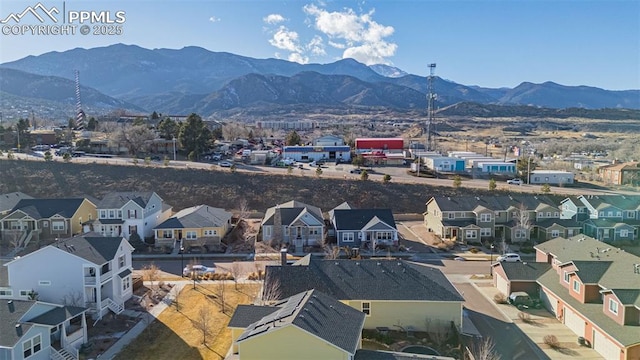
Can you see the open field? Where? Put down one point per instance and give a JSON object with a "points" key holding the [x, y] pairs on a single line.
{"points": [[173, 334]]}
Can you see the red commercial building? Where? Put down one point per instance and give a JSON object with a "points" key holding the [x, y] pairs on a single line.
{"points": [[372, 145]]}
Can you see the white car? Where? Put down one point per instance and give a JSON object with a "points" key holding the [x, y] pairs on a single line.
{"points": [[197, 270], [509, 257], [514, 182], [225, 164]]}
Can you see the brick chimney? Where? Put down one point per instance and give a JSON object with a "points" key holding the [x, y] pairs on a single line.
{"points": [[283, 257]]}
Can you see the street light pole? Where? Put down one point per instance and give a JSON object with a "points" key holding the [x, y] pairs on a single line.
{"points": [[491, 260], [174, 148], [182, 260]]}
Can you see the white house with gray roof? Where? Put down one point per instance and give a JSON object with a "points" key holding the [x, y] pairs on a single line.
{"points": [[124, 213], [88, 270], [37, 330]]}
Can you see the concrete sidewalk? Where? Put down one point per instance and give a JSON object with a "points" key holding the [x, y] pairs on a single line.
{"points": [[542, 323]]}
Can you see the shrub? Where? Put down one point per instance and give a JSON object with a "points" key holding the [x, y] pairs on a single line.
{"points": [[500, 298], [552, 341], [474, 250], [525, 317]]}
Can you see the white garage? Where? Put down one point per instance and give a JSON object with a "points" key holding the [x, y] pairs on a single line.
{"points": [[502, 285], [605, 347], [574, 322], [549, 302]]}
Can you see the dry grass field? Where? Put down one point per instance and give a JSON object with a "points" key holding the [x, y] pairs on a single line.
{"points": [[173, 334]]}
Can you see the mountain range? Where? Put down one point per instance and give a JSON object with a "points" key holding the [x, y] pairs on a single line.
{"points": [[194, 79]]}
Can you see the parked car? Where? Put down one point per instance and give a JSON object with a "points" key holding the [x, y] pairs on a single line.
{"points": [[514, 182], [225, 164], [198, 270], [522, 300], [509, 257], [355, 171]]}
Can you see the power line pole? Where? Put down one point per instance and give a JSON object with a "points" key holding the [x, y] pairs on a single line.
{"points": [[430, 110]]}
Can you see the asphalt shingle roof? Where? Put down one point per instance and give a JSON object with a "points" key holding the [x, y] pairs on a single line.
{"points": [[91, 247], [356, 219], [566, 223], [590, 272], [9, 319], [524, 271], [246, 315], [317, 314], [628, 296], [116, 200], [46, 208], [200, 216], [495, 202], [10, 200], [289, 211], [363, 354], [364, 280], [58, 315]]}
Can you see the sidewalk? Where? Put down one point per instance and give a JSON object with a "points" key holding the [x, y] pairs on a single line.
{"points": [[542, 323]]}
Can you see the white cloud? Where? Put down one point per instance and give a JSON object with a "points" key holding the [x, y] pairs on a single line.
{"points": [[286, 39], [273, 19], [299, 58], [316, 46], [214, 19], [359, 35]]}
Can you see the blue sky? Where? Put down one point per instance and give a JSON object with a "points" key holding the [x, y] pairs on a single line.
{"points": [[489, 43]]}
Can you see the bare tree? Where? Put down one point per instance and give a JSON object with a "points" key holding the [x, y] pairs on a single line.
{"points": [[483, 350], [135, 138], [203, 322], [237, 270], [522, 222], [13, 238], [73, 298], [243, 209], [271, 291], [151, 273]]}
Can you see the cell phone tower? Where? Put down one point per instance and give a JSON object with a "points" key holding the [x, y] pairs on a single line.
{"points": [[431, 96], [80, 115]]}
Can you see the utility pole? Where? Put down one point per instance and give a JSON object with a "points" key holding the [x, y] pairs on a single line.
{"points": [[174, 148]]}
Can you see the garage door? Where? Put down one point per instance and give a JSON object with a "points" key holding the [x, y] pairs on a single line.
{"points": [[574, 322], [605, 347], [502, 284], [549, 302]]}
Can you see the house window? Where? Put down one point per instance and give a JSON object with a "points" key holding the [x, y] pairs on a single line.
{"points": [[45, 224], [121, 261], [556, 214], [514, 214], [619, 213], [555, 233], [314, 231], [576, 286], [267, 231], [581, 210], [119, 214], [384, 235], [286, 231], [451, 215], [112, 214], [167, 234], [471, 234], [485, 232], [631, 214], [126, 283], [613, 306], [347, 237], [31, 346], [24, 293], [103, 214], [132, 214], [566, 277], [609, 213], [191, 235], [6, 292], [44, 283], [602, 213], [485, 217], [520, 234], [624, 233], [548, 214], [366, 308], [210, 232], [540, 214], [57, 225]]}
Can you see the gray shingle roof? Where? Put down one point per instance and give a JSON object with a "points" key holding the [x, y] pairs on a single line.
{"points": [[91, 247], [200, 216], [246, 315], [9, 200], [566, 223], [619, 275], [9, 319], [623, 202], [628, 296], [524, 271], [590, 272], [364, 280], [46, 208], [58, 315], [356, 219], [363, 354], [116, 200], [289, 211], [495, 202], [317, 314]]}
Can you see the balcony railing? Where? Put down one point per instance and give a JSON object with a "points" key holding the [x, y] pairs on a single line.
{"points": [[89, 280]]}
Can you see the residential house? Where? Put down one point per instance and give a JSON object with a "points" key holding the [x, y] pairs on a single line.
{"points": [[513, 218], [389, 292], [9, 200], [510, 277], [41, 331], [46, 219], [612, 218], [621, 174], [572, 208], [293, 224], [309, 325], [125, 213], [593, 289], [194, 226], [366, 228], [90, 271]]}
